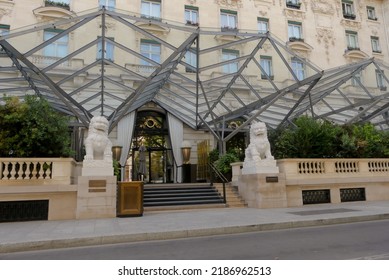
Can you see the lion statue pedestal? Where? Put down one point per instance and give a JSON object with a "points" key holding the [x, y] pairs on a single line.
{"points": [[261, 184], [258, 155], [98, 147], [96, 189]]}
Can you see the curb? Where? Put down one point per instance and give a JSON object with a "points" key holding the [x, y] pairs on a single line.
{"points": [[168, 235]]}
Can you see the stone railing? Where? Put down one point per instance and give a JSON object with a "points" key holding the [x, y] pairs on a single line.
{"points": [[55, 170], [326, 168], [334, 167], [48, 60]]}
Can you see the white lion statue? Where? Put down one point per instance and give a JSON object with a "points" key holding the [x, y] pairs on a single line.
{"points": [[259, 147], [97, 144]]}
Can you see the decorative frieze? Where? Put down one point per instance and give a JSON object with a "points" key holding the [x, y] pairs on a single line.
{"points": [[351, 23], [323, 7], [294, 14], [232, 4]]}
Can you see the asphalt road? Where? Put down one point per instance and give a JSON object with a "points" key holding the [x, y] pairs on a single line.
{"points": [[364, 240]]}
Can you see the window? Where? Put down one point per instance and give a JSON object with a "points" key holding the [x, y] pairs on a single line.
{"points": [[58, 48], [151, 50], [192, 15], [151, 9], [294, 4], [352, 40], [229, 55], [380, 80], [294, 31], [228, 20], [263, 25], [4, 29], [348, 9], [298, 68], [108, 4], [375, 44], [266, 64], [108, 50], [191, 59], [356, 80], [371, 13]]}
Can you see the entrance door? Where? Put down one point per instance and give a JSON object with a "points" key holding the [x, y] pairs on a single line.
{"points": [[152, 156]]}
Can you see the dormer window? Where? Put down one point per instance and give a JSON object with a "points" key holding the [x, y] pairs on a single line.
{"points": [[348, 9]]}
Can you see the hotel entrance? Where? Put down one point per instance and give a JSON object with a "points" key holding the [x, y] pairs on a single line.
{"points": [[152, 156]]}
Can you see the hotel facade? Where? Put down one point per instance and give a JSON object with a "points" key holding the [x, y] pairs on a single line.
{"points": [[168, 73]]}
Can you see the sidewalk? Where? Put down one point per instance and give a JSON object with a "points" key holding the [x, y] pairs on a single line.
{"points": [[37, 235]]}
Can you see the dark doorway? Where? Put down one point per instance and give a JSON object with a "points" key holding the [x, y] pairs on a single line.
{"points": [[151, 147]]}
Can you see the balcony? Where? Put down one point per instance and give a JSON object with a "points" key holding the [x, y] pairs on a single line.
{"points": [[229, 29], [57, 4], [351, 48], [192, 23], [293, 5], [263, 77], [349, 16], [372, 18], [295, 39]]}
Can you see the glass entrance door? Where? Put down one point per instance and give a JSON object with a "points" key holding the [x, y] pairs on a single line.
{"points": [[158, 165], [152, 156]]}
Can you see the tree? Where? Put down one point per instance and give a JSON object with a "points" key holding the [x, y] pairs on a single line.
{"points": [[32, 129]]}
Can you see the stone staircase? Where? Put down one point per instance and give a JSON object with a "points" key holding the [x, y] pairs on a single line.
{"points": [[234, 200], [181, 196], [158, 197]]}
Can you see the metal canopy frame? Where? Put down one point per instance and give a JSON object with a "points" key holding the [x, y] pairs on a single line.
{"points": [[204, 97]]}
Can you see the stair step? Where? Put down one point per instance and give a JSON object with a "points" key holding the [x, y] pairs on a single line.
{"points": [[163, 195]]}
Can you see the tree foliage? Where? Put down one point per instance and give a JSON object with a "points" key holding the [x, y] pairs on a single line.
{"points": [[310, 138], [32, 129]]}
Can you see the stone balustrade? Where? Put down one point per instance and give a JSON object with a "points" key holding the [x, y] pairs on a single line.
{"points": [[44, 170]]}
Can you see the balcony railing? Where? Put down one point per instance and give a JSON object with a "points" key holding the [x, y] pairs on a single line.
{"points": [[293, 5], [349, 16], [57, 4], [295, 39], [351, 48], [229, 29], [193, 23]]}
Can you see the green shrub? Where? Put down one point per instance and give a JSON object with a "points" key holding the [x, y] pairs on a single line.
{"points": [[32, 129]]}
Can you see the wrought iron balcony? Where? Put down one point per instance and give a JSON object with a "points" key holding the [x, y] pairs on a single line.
{"points": [[293, 5], [349, 16], [350, 48], [57, 4], [295, 39], [193, 23], [229, 29]]}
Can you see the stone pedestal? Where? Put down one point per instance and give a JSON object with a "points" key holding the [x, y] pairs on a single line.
{"points": [[96, 197], [97, 167], [265, 190], [260, 166]]}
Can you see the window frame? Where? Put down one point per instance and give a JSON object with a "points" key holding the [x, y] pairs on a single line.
{"points": [[191, 59], [56, 45], [150, 54], [371, 14], [350, 35], [262, 22], [266, 62], [109, 49], [381, 82], [298, 71], [107, 4], [292, 27], [228, 54], [190, 12], [348, 9], [150, 11], [229, 16], [375, 44]]}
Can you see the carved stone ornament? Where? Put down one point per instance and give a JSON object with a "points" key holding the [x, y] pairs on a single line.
{"points": [[4, 12], [323, 7], [294, 14], [325, 36], [351, 23], [259, 3], [192, 2], [230, 3], [97, 144], [258, 157]]}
